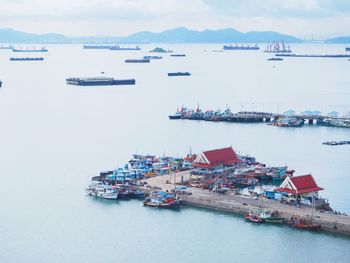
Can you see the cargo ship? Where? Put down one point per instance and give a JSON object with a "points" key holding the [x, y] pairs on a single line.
{"points": [[143, 60], [236, 47], [174, 74], [117, 47], [277, 47], [26, 59], [98, 46], [99, 81], [43, 49]]}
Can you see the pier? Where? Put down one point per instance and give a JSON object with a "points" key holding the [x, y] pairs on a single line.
{"points": [[261, 117], [241, 204]]}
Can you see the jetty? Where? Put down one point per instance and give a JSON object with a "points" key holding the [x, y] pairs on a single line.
{"points": [[277, 119], [240, 204]]}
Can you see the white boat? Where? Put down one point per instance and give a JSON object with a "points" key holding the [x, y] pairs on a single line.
{"points": [[101, 190]]}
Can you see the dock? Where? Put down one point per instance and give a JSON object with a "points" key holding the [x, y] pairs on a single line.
{"points": [[240, 204]]}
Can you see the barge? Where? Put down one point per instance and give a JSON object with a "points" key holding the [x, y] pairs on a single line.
{"points": [[43, 49], [178, 55], [175, 74], [143, 60], [27, 59], [231, 47], [99, 81]]}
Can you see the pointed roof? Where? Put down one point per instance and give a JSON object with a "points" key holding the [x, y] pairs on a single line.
{"points": [[299, 185], [225, 156]]}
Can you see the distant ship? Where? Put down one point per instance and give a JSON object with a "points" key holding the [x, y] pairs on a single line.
{"points": [[43, 49], [174, 74], [26, 59], [98, 46], [241, 47], [99, 81], [6, 47], [137, 60], [0, 83], [178, 55], [152, 57], [275, 59], [124, 48], [277, 47], [347, 49]]}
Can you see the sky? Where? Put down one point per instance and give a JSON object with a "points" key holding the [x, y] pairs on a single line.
{"points": [[303, 18]]}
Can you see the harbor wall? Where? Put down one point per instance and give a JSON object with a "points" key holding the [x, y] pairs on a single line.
{"points": [[330, 224]]}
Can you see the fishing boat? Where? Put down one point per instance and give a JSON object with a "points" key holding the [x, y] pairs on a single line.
{"points": [[302, 224], [103, 191], [271, 217], [162, 200], [253, 218]]}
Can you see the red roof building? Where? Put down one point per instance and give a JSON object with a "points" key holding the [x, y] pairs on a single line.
{"points": [[299, 185], [214, 158]]}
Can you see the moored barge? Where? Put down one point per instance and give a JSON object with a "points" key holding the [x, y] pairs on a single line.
{"points": [[99, 81]]}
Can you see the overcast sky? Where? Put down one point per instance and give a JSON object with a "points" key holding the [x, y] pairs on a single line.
{"points": [[302, 18]]}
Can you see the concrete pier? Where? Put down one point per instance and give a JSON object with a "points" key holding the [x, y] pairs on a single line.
{"points": [[241, 204]]}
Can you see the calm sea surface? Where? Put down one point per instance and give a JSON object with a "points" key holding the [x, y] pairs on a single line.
{"points": [[54, 138]]}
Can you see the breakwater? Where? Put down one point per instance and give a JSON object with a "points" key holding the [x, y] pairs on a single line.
{"points": [[241, 204]]}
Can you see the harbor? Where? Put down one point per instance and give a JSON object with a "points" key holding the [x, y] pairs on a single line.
{"points": [[217, 179]]}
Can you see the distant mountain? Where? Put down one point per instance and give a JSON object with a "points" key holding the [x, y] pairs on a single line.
{"points": [[8, 35], [229, 35], [177, 35], [338, 40]]}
